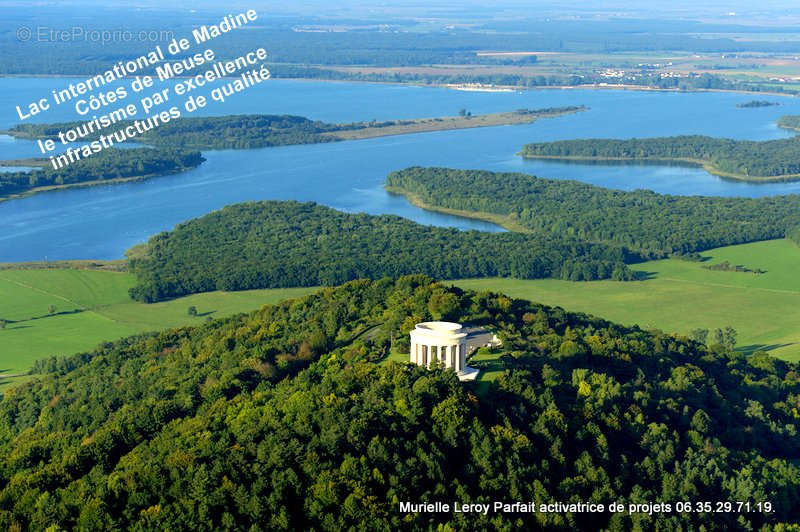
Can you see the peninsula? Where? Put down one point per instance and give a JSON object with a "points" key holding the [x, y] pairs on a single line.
{"points": [[110, 166], [260, 131], [178, 142], [743, 160], [647, 224]]}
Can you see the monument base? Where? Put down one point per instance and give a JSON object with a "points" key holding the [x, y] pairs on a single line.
{"points": [[468, 374]]}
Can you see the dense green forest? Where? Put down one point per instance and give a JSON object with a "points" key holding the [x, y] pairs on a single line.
{"points": [[109, 164], [282, 420], [652, 225], [794, 235], [210, 132], [772, 158], [272, 244]]}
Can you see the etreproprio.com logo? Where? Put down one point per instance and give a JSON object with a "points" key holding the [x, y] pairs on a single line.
{"points": [[38, 34]]}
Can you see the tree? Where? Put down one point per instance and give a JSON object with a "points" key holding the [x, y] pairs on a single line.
{"points": [[442, 305], [729, 335], [719, 337], [51, 309], [701, 422], [699, 335], [192, 311], [3, 324], [725, 337]]}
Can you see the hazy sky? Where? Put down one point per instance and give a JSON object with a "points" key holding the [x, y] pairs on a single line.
{"points": [[770, 12], [649, 6]]}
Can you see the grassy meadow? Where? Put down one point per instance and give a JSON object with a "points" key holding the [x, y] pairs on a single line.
{"points": [[680, 296], [92, 307]]}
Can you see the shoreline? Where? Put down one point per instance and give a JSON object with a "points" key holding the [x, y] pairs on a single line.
{"points": [[705, 165], [405, 127], [115, 266], [496, 88], [450, 123], [29, 161], [497, 219], [86, 184]]}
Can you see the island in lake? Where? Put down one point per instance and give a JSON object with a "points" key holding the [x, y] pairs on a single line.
{"points": [[756, 103]]}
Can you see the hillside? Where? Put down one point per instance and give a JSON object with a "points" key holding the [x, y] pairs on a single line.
{"points": [[273, 244], [683, 296], [280, 419]]}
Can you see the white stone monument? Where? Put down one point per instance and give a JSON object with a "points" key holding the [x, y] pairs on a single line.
{"points": [[441, 343]]}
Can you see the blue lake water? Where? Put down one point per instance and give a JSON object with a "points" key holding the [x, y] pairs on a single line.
{"points": [[102, 222]]}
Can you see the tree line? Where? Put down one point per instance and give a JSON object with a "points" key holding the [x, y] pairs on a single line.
{"points": [[794, 235], [111, 163], [771, 158], [281, 419], [273, 244], [648, 224]]}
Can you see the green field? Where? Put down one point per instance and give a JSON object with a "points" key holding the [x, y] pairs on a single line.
{"points": [[93, 306], [680, 296]]}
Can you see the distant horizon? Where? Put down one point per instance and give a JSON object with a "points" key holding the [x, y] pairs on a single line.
{"points": [[734, 11]]}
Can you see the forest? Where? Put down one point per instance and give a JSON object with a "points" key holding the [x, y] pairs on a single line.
{"points": [[794, 235], [746, 158], [649, 224], [111, 163], [209, 132], [273, 244], [281, 419]]}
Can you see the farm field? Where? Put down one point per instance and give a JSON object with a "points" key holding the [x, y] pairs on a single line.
{"points": [[680, 296], [93, 306]]}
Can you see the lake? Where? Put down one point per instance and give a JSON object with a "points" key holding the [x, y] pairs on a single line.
{"points": [[102, 222]]}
